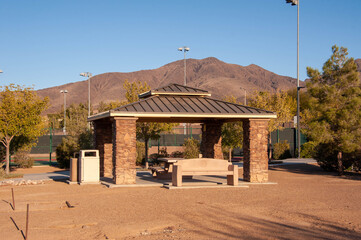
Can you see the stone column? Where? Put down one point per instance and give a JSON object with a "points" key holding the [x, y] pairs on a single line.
{"points": [[103, 142], [124, 150], [255, 158], [211, 145]]}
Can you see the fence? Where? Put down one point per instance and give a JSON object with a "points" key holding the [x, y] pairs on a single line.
{"points": [[47, 143]]}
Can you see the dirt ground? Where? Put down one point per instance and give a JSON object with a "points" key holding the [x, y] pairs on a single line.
{"points": [[307, 203]]}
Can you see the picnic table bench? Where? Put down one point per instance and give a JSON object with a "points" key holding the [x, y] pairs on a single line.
{"points": [[204, 166]]}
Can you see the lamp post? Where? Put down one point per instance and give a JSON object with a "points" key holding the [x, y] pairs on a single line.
{"points": [[293, 3], [88, 75], [245, 95], [64, 92], [184, 49]]}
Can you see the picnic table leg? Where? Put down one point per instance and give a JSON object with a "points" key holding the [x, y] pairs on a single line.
{"points": [[177, 176]]}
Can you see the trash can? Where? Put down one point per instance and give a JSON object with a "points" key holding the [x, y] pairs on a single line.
{"points": [[73, 170], [88, 166]]}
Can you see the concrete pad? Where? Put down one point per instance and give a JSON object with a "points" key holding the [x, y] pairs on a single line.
{"points": [[194, 186]]}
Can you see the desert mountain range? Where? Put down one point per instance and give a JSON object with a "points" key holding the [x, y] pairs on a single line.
{"points": [[220, 78]]}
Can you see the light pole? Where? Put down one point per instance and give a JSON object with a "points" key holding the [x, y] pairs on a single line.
{"points": [[293, 3], [88, 75], [184, 49], [64, 92], [245, 95]]}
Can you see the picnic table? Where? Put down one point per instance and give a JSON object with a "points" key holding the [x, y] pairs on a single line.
{"points": [[166, 171]]}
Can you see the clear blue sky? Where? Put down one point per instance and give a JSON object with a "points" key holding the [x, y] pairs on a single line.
{"points": [[47, 43]]}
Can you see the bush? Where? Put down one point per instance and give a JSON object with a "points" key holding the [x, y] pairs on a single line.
{"points": [[281, 150], [191, 148], [65, 150], [2, 171], [140, 153], [308, 150], [23, 159], [326, 157], [177, 154]]}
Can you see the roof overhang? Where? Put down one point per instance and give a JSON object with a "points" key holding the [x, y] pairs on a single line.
{"points": [[176, 117]]}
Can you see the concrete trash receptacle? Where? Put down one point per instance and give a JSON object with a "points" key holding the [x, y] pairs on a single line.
{"points": [[89, 166], [73, 170]]}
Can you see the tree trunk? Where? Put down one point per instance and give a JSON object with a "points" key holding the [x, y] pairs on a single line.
{"points": [[270, 147], [339, 164], [146, 153], [230, 154], [7, 158]]}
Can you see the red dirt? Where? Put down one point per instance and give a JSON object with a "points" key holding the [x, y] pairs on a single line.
{"points": [[307, 203]]}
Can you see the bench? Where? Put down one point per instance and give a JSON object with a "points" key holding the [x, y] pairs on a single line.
{"points": [[204, 166]]}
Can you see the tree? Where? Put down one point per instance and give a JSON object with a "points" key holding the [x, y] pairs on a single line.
{"points": [[103, 107], [334, 117], [76, 119], [281, 103], [20, 116], [232, 133], [145, 131]]}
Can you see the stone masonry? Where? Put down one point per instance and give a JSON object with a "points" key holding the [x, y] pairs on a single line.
{"points": [[255, 161], [211, 145], [124, 150], [103, 142]]}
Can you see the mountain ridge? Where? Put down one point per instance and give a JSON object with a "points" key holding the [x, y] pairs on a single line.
{"points": [[211, 74]]}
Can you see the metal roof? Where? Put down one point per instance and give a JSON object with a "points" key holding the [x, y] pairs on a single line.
{"points": [[175, 89], [180, 103]]}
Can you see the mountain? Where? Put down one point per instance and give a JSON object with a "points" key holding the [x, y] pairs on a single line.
{"points": [[220, 78]]}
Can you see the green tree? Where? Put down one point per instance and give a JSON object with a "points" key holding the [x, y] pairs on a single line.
{"points": [[334, 117], [281, 103], [232, 132], [20, 110], [149, 130], [76, 119]]}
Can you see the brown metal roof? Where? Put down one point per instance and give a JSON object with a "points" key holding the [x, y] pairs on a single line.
{"points": [[175, 89], [175, 102], [187, 104]]}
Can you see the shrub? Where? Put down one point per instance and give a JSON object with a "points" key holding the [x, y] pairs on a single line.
{"points": [[140, 153], [65, 150], [23, 159], [2, 171], [281, 150], [163, 152], [191, 148], [308, 150], [177, 154]]}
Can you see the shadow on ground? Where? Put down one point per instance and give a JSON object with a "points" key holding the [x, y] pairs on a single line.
{"points": [[310, 169]]}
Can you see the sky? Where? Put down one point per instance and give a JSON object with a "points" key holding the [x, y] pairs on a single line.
{"points": [[49, 43]]}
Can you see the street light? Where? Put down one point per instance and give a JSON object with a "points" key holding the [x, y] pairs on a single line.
{"points": [[184, 49], [245, 95], [293, 3], [64, 92], [88, 75]]}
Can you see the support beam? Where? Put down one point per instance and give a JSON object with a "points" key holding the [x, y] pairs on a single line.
{"points": [[255, 159], [124, 150], [211, 145]]}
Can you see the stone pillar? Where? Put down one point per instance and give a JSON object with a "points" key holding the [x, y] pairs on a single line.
{"points": [[255, 158], [124, 150], [211, 145], [103, 142]]}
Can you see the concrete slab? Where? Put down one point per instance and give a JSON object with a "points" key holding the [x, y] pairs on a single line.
{"points": [[196, 186]]}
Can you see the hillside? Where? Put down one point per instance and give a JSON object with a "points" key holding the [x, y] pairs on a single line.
{"points": [[218, 77]]}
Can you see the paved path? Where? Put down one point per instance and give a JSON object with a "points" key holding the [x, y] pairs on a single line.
{"points": [[141, 176]]}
